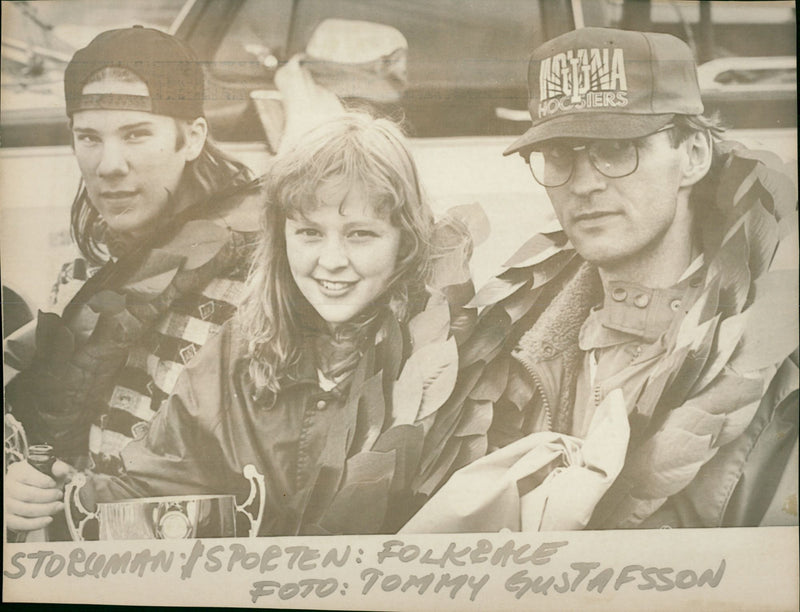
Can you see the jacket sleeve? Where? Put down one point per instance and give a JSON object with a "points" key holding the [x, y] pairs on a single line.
{"points": [[749, 482], [181, 454], [172, 459], [19, 347], [78, 358], [52, 396]]}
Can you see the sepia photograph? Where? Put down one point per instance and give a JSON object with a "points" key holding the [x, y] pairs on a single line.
{"points": [[400, 304]]}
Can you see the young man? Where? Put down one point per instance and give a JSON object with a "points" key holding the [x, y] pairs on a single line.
{"points": [[166, 220], [664, 284]]}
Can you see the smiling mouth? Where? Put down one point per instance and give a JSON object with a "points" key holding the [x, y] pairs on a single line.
{"points": [[335, 287]]}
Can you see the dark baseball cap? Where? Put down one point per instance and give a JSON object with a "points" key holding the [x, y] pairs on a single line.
{"points": [[164, 63], [606, 83]]}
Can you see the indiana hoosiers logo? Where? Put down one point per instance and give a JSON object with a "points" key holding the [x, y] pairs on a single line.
{"points": [[582, 79]]}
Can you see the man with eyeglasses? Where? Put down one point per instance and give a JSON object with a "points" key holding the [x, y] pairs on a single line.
{"points": [[641, 361]]}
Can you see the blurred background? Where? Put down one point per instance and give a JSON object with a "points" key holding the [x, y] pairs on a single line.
{"points": [[464, 95], [466, 59]]}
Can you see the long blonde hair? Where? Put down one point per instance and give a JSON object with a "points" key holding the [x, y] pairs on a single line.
{"points": [[355, 148]]}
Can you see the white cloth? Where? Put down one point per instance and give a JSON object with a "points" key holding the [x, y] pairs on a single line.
{"points": [[546, 481]]}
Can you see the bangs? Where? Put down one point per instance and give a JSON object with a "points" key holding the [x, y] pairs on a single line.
{"points": [[323, 170], [380, 201]]}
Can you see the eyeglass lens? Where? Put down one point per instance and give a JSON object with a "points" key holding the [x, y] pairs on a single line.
{"points": [[553, 164]]}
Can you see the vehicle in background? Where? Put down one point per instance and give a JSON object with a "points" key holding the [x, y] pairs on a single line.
{"points": [[466, 58], [464, 100]]}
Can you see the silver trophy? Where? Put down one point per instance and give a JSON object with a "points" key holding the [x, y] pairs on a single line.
{"points": [[166, 518]]}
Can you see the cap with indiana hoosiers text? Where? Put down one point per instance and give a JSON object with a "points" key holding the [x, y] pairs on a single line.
{"points": [[164, 63], [606, 83]]}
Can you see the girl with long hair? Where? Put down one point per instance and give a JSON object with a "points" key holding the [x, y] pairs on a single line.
{"points": [[333, 379]]}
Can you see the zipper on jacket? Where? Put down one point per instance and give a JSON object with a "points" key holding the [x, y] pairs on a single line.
{"points": [[537, 382], [596, 392]]}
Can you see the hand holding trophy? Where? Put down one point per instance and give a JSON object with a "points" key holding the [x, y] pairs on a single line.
{"points": [[33, 484]]}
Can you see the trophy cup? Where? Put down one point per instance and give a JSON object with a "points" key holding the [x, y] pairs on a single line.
{"points": [[169, 517], [15, 442]]}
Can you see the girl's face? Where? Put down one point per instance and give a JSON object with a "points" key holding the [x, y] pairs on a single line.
{"points": [[342, 255]]}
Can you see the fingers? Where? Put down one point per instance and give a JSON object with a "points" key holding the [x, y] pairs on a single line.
{"points": [[284, 75], [16, 491], [31, 497], [24, 473], [17, 523], [22, 515], [62, 470], [17, 509], [294, 82], [306, 104]]}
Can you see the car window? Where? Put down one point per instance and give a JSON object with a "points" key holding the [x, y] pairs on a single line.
{"points": [[712, 29], [38, 40], [465, 59], [451, 42], [254, 41], [746, 52]]}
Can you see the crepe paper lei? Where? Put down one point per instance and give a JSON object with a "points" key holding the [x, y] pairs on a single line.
{"points": [[723, 353], [77, 356], [400, 437], [720, 355], [533, 276]]}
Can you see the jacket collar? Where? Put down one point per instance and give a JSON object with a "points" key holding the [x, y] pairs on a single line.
{"points": [[633, 311]]}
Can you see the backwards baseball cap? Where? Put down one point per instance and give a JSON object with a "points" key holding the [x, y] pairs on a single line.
{"points": [[605, 83], [164, 63]]}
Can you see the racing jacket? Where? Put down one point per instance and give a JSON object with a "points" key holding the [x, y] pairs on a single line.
{"points": [[97, 373], [714, 426]]}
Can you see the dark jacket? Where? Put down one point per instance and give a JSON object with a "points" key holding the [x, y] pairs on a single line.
{"points": [[358, 458], [713, 430], [101, 370]]}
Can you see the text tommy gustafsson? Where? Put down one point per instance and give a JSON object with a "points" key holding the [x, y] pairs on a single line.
{"points": [[586, 576], [453, 569]]}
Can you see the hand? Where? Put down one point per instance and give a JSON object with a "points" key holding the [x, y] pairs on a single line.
{"points": [[32, 498], [306, 104]]}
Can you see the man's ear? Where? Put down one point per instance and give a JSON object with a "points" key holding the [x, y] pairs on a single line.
{"points": [[196, 134], [698, 150]]}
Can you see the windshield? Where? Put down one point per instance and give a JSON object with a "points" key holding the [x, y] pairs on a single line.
{"points": [[714, 30], [745, 52], [39, 38]]}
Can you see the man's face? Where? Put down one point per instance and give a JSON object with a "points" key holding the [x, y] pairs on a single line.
{"points": [[128, 160], [615, 222]]}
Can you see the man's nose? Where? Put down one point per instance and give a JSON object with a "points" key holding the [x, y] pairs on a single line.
{"points": [[112, 160], [585, 177], [333, 254]]}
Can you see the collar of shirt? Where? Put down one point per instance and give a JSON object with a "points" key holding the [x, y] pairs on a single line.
{"points": [[634, 312]]}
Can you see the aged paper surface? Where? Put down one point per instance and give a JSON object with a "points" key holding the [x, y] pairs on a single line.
{"points": [[723, 569]]}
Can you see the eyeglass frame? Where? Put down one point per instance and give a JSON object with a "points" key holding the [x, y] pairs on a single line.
{"points": [[585, 146]]}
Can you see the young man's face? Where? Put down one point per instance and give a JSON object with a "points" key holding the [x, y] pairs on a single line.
{"points": [[626, 221], [128, 160]]}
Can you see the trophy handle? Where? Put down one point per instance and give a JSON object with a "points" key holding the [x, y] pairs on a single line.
{"points": [[73, 499], [15, 442], [257, 488]]}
